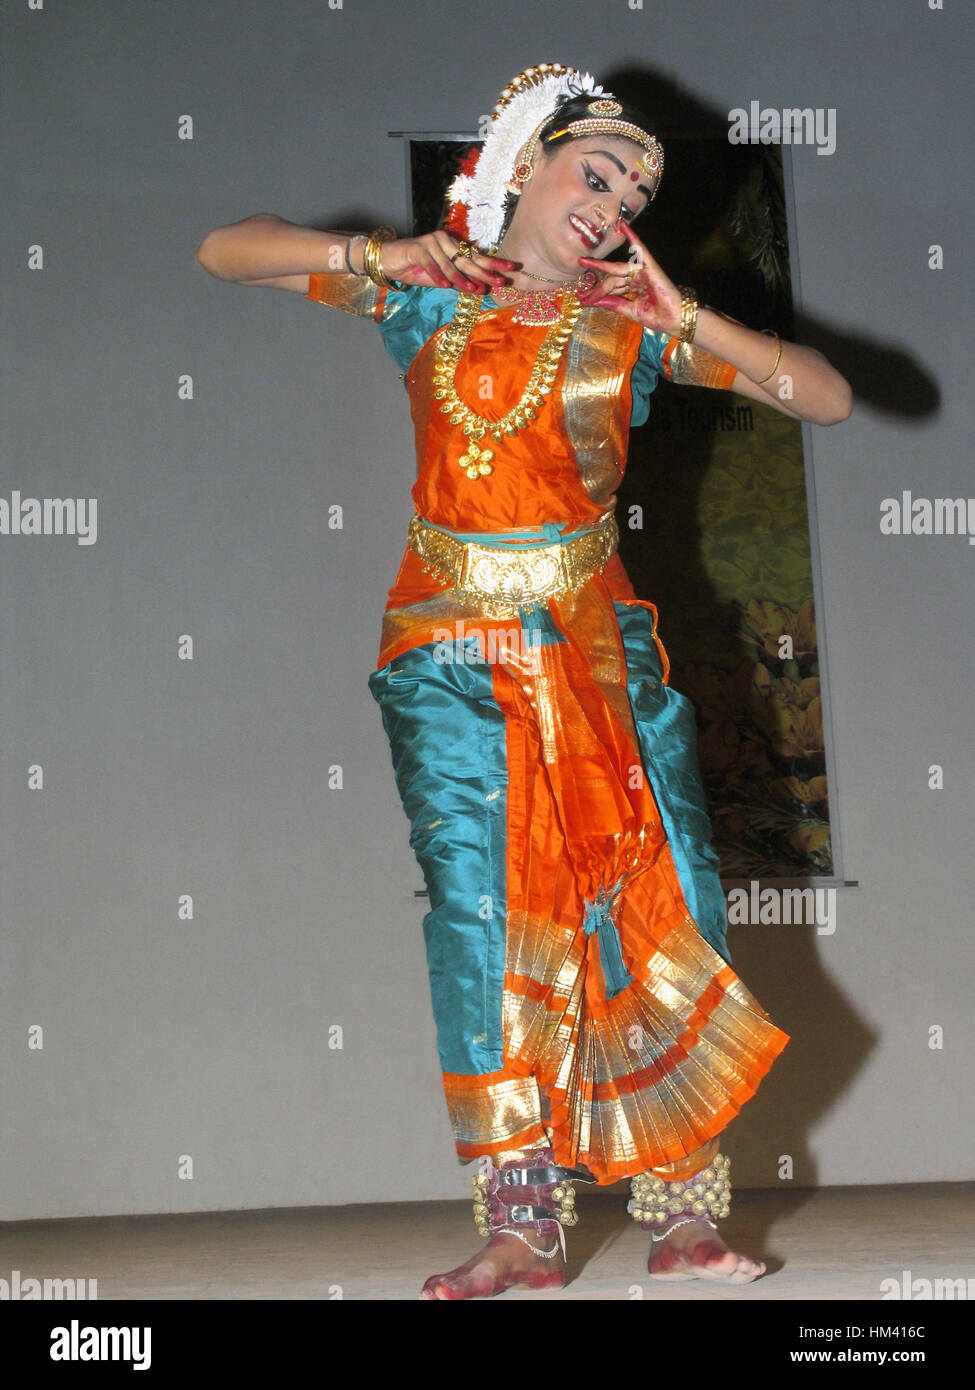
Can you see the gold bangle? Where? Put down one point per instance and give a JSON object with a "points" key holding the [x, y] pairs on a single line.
{"points": [[372, 256], [778, 355], [688, 315]]}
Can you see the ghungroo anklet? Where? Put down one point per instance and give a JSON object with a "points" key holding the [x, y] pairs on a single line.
{"points": [[533, 1193], [707, 1194]]}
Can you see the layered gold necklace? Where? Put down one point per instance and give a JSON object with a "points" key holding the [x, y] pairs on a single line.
{"points": [[475, 460]]}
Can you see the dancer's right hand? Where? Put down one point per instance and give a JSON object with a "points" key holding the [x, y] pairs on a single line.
{"points": [[427, 260]]}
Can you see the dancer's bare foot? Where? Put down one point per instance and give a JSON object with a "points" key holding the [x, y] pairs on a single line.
{"points": [[505, 1262], [694, 1250]]}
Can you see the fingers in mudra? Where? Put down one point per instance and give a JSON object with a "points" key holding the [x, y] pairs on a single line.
{"points": [[623, 287], [426, 260], [444, 271], [638, 289], [469, 270]]}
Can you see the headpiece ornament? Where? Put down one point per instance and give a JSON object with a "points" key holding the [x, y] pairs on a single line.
{"points": [[477, 195]]}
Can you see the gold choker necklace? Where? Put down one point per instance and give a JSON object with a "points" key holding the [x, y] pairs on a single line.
{"points": [[475, 460], [535, 307]]}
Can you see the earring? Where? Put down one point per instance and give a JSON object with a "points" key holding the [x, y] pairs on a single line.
{"points": [[521, 173], [523, 170]]}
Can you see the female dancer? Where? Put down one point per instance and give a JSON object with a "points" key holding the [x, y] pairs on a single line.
{"points": [[589, 1024]]}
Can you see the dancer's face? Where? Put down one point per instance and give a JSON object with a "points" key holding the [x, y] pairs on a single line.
{"points": [[570, 206]]}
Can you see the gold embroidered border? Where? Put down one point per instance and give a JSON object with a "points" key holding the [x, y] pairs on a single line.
{"points": [[356, 294], [598, 358], [695, 366]]}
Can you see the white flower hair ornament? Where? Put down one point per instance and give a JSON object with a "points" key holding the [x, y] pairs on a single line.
{"points": [[477, 195]]}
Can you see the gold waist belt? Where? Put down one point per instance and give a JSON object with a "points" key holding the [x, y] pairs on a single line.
{"points": [[500, 578]]}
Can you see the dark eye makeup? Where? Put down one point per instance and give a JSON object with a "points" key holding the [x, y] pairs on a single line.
{"points": [[597, 182]]}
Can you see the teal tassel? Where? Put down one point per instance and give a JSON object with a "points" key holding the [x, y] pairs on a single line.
{"points": [[596, 918]]}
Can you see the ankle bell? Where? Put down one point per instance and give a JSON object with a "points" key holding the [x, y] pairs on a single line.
{"points": [[536, 1194], [707, 1194]]}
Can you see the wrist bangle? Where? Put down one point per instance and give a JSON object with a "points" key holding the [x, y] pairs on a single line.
{"points": [[688, 315], [348, 247], [373, 253], [778, 355]]}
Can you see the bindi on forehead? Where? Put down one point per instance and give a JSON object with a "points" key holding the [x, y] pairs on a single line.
{"points": [[634, 177]]}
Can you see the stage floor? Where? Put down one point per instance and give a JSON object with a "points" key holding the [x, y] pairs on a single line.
{"points": [[832, 1243]]}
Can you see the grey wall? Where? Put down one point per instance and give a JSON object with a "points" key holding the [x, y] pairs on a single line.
{"points": [[165, 1037]]}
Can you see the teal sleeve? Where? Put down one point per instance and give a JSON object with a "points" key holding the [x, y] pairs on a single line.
{"points": [[647, 371], [411, 314]]}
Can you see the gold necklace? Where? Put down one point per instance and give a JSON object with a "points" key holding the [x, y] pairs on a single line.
{"points": [[475, 460], [547, 278], [535, 307]]}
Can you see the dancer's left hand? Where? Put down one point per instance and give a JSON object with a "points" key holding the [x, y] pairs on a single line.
{"points": [[638, 289]]}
